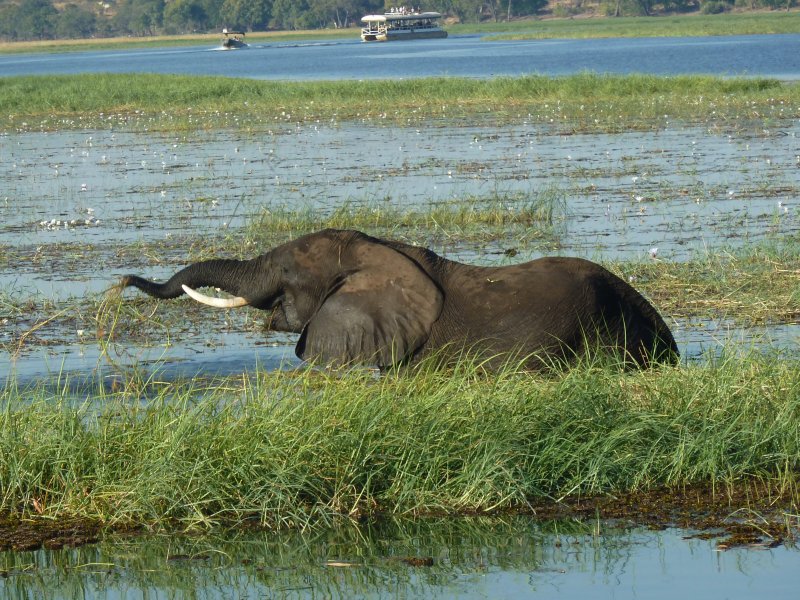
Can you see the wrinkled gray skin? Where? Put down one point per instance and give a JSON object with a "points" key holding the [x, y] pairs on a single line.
{"points": [[354, 298]]}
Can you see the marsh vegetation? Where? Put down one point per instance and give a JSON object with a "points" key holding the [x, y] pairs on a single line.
{"points": [[146, 173], [576, 103], [305, 447]]}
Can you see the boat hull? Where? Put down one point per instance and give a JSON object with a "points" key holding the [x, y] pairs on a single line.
{"points": [[403, 35]]}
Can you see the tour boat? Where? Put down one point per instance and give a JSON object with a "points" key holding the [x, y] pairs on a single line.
{"points": [[401, 24]]}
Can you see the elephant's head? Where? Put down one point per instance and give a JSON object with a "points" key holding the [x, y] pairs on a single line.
{"points": [[351, 297]]}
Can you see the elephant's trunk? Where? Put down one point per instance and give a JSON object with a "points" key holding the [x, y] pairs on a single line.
{"points": [[233, 276]]}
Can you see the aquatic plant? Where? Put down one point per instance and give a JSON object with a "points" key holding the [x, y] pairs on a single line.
{"points": [[471, 218], [585, 101]]}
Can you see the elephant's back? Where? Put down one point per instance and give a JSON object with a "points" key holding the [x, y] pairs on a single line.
{"points": [[551, 305], [642, 319], [643, 324]]}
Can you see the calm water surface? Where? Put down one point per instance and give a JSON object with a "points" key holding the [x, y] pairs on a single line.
{"points": [[513, 558], [468, 56]]}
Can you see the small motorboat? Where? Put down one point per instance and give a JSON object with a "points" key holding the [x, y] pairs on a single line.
{"points": [[233, 39]]}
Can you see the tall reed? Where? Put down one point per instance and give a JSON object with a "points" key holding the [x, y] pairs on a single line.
{"points": [[301, 448]]}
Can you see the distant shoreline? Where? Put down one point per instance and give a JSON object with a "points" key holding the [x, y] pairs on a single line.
{"points": [[585, 25]]}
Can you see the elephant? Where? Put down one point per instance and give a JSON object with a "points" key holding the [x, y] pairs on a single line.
{"points": [[354, 298]]}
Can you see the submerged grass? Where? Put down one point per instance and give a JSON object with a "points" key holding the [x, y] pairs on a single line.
{"points": [[303, 448], [582, 101]]}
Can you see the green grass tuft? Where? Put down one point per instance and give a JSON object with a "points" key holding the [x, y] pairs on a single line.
{"points": [[467, 217], [298, 449]]}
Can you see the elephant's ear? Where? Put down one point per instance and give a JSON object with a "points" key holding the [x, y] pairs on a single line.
{"points": [[380, 313]]}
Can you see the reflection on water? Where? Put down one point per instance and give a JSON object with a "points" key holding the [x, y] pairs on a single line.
{"points": [[472, 558], [708, 336]]}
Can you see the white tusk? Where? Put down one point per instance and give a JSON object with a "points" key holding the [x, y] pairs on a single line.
{"points": [[217, 302]]}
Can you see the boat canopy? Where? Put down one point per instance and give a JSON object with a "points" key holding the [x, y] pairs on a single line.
{"points": [[401, 17]]}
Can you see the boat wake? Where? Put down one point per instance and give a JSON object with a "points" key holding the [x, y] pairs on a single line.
{"points": [[311, 44]]}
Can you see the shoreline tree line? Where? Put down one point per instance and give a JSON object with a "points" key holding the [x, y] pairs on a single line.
{"points": [[22, 20]]}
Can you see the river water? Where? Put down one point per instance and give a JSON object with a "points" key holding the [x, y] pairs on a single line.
{"points": [[467, 56], [469, 558], [72, 202]]}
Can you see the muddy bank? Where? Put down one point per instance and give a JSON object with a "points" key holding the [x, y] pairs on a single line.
{"points": [[749, 515]]}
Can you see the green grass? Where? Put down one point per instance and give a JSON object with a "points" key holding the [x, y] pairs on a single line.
{"points": [[532, 215], [662, 26], [578, 102], [299, 449], [755, 285]]}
